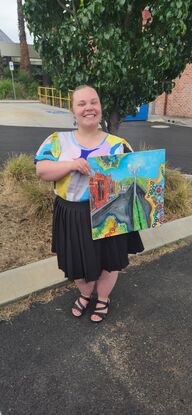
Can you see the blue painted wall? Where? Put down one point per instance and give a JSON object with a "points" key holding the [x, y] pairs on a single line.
{"points": [[142, 114]]}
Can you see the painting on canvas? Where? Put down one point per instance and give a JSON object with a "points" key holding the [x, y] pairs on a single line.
{"points": [[126, 192]]}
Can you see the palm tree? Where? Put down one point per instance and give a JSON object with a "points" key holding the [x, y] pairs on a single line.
{"points": [[1, 67], [24, 52]]}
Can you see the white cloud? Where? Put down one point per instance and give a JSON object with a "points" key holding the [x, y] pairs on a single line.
{"points": [[8, 20]]}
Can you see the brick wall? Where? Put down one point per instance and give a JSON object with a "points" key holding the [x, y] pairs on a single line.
{"points": [[179, 102]]}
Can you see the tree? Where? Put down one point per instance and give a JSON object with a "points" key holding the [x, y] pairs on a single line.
{"points": [[24, 52], [103, 43], [1, 67]]}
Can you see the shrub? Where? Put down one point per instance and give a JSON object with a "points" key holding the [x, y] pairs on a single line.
{"points": [[25, 86], [20, 90], [19, 168], [32, 90], [23, 76], [6, 73], [6, 89], [178, 194], [40, 196]]}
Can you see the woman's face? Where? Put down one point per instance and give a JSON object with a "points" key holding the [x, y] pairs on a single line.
{"points": [[87, 107]]}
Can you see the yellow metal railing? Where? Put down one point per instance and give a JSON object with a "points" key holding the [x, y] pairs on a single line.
{"points": [[53, 97]]}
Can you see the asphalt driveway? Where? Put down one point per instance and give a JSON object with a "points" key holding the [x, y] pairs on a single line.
{"points": [[177, 140], [138, 362]]}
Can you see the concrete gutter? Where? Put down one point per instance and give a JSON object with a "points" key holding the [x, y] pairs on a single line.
{"points": [[20, 282], [180, 121]]}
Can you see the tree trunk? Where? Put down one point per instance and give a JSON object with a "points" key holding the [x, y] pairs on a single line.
{"points": [[113, 124], [24, 52], [1, 67]]}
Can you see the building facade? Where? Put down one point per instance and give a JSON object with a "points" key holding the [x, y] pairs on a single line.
{"points": [[10, 51], [179, 102]]}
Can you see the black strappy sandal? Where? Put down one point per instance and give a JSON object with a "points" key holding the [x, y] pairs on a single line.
{"points": [[98, 311], [79, 306]]}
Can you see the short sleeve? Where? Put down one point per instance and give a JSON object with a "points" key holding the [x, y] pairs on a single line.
{"points": [[50, 149], [126, 147]]}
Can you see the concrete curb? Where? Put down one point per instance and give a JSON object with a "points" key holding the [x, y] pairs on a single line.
{"points": [[182, 122], [20, 282], [19, 101]]}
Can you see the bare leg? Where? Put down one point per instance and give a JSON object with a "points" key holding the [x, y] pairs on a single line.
{"points": [[105, 284], [85, 288]]}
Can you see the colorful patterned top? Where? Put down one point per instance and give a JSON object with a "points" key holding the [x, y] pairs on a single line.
{"points": [[63, 146]]}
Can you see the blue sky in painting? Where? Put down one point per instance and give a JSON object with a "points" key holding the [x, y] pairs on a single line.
{"points": [[145, 162]]}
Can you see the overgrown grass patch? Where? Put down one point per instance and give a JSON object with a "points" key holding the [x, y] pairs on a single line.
{"points": [[178, 194], [40, 197], [19, 171], [19, 168]]}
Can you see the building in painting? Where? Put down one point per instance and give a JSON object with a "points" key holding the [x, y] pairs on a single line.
{"points": [[101, 188]]}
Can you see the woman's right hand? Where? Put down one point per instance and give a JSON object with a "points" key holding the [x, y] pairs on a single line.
{"points": [[82, 166]]}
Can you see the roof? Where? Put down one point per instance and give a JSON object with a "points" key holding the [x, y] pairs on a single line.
{"points": [[13, 50], [4, 37]]}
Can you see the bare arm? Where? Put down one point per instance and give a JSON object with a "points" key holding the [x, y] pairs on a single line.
{"points": [[55, 170]]}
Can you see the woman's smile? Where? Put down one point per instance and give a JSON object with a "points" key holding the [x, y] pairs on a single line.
{"points": [[89, 115], [87, 108]]}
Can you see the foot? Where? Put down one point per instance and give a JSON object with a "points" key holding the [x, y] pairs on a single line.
{"points": [[101, 311], [80, 305]]}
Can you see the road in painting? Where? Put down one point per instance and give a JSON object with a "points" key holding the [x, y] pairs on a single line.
{"points": [[126, 192]]}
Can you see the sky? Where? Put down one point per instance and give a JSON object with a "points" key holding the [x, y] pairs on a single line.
{"points": [[146, 163], [8, 20]]}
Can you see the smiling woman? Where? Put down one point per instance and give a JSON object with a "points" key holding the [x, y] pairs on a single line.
{"points": [[64, 158], [87, 113]]}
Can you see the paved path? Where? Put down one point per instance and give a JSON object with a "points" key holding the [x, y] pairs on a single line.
{"points": [[34, 114], [138, 362]]}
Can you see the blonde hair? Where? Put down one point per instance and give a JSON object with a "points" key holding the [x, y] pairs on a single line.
{"points": [[78, 88]]}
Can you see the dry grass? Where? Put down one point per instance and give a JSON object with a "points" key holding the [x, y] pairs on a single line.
{"points": [[11, 310], [40, 196], [178, 195], [19, 168], [25, 237], [19, 174]]}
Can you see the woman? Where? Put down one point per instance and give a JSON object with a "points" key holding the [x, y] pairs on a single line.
{"points": [[63, 158]]}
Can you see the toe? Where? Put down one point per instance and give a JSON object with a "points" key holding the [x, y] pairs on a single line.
{"points": [[94, 317], [75, 312]]}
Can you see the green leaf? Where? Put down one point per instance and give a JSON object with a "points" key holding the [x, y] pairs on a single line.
{"points": [[104, 44], [106, 36]]}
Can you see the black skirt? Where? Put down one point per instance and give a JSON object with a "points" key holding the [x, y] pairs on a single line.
{"points": [[78, 255]]}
